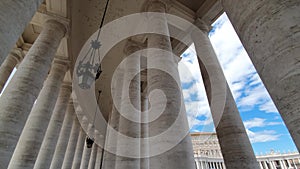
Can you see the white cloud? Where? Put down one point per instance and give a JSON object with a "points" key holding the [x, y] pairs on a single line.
{"points": [[259, 122], [245, 84], [261, 136]]}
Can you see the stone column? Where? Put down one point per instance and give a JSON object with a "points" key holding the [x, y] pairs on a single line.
{"points": [[169, 107], [99, 158], [78, 150], [85, 157], [93, 157], [265, 164], [109, 154], [14, 57], [235, 144], [63, 138], [269, 31], [260, 165], [144, 132], [45, 155], [197, 164], [129, 123], [33, 133], [20, 94], [14, 17], [69, 155]]}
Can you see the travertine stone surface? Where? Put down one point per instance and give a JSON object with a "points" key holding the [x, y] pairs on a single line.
{"points": [[79, 149], [93, 157], [69, 155], [19, 96], [144, 132], [235, 144], [15, 56], [270, 33], [33, 133], [130, 127], [46, 152], [181, 156], [99, 158], [14, 17], [109, 157], [85, 157], [63, 138]]}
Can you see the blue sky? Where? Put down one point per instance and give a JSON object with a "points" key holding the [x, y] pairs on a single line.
{"points": [[263, 123]]}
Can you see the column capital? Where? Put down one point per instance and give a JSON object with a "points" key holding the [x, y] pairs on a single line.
{"points": [[202, 25], [132, 46], [17, 54], [155, 6], [50, 18]]}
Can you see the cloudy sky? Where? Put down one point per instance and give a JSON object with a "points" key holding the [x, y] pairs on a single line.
{"points": [[261, 118]]}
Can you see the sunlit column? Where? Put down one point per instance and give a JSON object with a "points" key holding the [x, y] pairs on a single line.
{"points": [[228, 123], [63, 137], [45, 155], [20, 94], [160, 60], [33, 133], [14, 17], [260, 165], [272, 42], [15, 56]]}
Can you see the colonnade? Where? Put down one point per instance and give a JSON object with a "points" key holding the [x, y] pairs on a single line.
{"points": [[38, 125]]}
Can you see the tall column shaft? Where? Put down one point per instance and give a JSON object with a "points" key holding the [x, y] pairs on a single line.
{"points": [[130, 97], [85, 157], [63, 138], [14, 57], [33, 133], [45, 155], [14, 17], [68, 159], [99, 158], [144, 132], [235, 144], [269, 31], [78, 150], [159, 62], [110, 151], [93, 157], [20, 94]]}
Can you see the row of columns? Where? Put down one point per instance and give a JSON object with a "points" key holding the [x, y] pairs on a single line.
{"points": [[281, 81], [38, 125]]}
